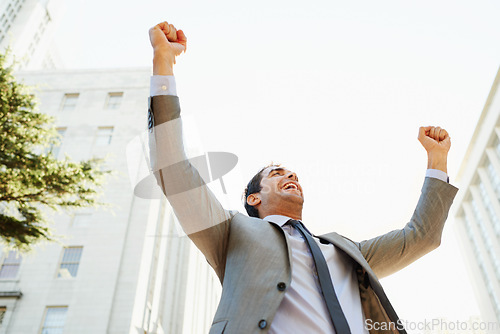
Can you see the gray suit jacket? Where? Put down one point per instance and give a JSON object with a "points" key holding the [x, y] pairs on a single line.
{"points": [[252, 257]]}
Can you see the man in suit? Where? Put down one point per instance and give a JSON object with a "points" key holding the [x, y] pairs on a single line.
{"points": [[268, 264]]}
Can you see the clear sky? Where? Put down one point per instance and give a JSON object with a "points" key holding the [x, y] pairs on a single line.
{"points": [[334, 90]]}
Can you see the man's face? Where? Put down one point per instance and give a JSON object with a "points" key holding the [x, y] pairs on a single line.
{"points": [[281, 191]]}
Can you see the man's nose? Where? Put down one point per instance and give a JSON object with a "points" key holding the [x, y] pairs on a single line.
{"points": [[292, 176]]}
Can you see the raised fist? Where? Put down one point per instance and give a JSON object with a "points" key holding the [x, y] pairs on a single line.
{"points": [[434, 139], [166, 39]]}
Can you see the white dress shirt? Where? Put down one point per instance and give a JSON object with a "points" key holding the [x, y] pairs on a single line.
{"points": [[303, 309]]}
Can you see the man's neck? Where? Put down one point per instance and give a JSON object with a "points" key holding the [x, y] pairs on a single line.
{"points": [[291, 215]]}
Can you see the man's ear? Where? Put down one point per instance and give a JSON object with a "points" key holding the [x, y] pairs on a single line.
{"points": [[253, 199]]}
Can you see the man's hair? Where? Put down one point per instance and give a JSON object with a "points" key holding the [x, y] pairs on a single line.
{"points": [[254, 187]]}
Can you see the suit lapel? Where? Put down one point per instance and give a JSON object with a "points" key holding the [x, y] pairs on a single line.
{"points": [[351, 249], [286, 236]]}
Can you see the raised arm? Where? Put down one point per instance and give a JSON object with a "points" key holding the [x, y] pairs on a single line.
{"points": [[395, 250], [199, 212]]}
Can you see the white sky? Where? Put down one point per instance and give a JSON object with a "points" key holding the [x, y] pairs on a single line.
{"points": [[335, 91]]}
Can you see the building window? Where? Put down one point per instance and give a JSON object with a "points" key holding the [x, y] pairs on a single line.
{"points": [[70, 262], [497, 147], [495, 180], [10, 14], [489, 207], [55, 317], [54, 148], [114, 100], [10, 265], [487, 239], [69, 101], [3, 310], [104, 134]]}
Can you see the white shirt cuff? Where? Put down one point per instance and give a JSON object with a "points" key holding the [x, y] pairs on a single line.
{"points": [[163, 85], [437, 174]]}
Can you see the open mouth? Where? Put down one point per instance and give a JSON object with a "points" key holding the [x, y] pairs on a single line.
{"points": [[290, 186]]}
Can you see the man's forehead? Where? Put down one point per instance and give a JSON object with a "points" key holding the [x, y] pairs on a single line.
{"points": [[269, 169]]}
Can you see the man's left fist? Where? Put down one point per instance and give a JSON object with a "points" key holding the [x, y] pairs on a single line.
{"points": [[437, 143], [434, 139]]}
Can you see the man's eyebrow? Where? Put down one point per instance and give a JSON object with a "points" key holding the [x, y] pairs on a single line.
{"points": [[275, 169]]}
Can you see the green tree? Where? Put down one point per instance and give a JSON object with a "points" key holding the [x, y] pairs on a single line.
{"points": [[32, 180]]}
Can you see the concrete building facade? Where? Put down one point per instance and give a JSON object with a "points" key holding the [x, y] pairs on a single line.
{"points": [[122, 269], [477, 209]]}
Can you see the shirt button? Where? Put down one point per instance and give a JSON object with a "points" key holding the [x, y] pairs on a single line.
{"points": [[164, 87], [262, 324], [281, 286]]}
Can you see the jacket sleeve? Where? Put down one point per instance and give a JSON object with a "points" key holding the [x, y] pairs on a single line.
{"points": [[393, 251], [199, 212]]}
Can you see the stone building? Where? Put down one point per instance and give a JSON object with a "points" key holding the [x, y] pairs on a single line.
{"points": [[123, 269]]}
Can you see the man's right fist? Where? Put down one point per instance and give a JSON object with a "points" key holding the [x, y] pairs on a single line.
{"points": [[168, 40]]}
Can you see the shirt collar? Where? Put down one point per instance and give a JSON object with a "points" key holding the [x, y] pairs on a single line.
{"points": [[277, 219]]}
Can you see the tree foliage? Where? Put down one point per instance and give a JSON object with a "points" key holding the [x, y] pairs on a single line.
{"points": [[32, 180]]}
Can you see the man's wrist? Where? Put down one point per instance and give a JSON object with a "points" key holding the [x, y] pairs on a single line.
{"points": [[437, 161], [163, 63]]}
